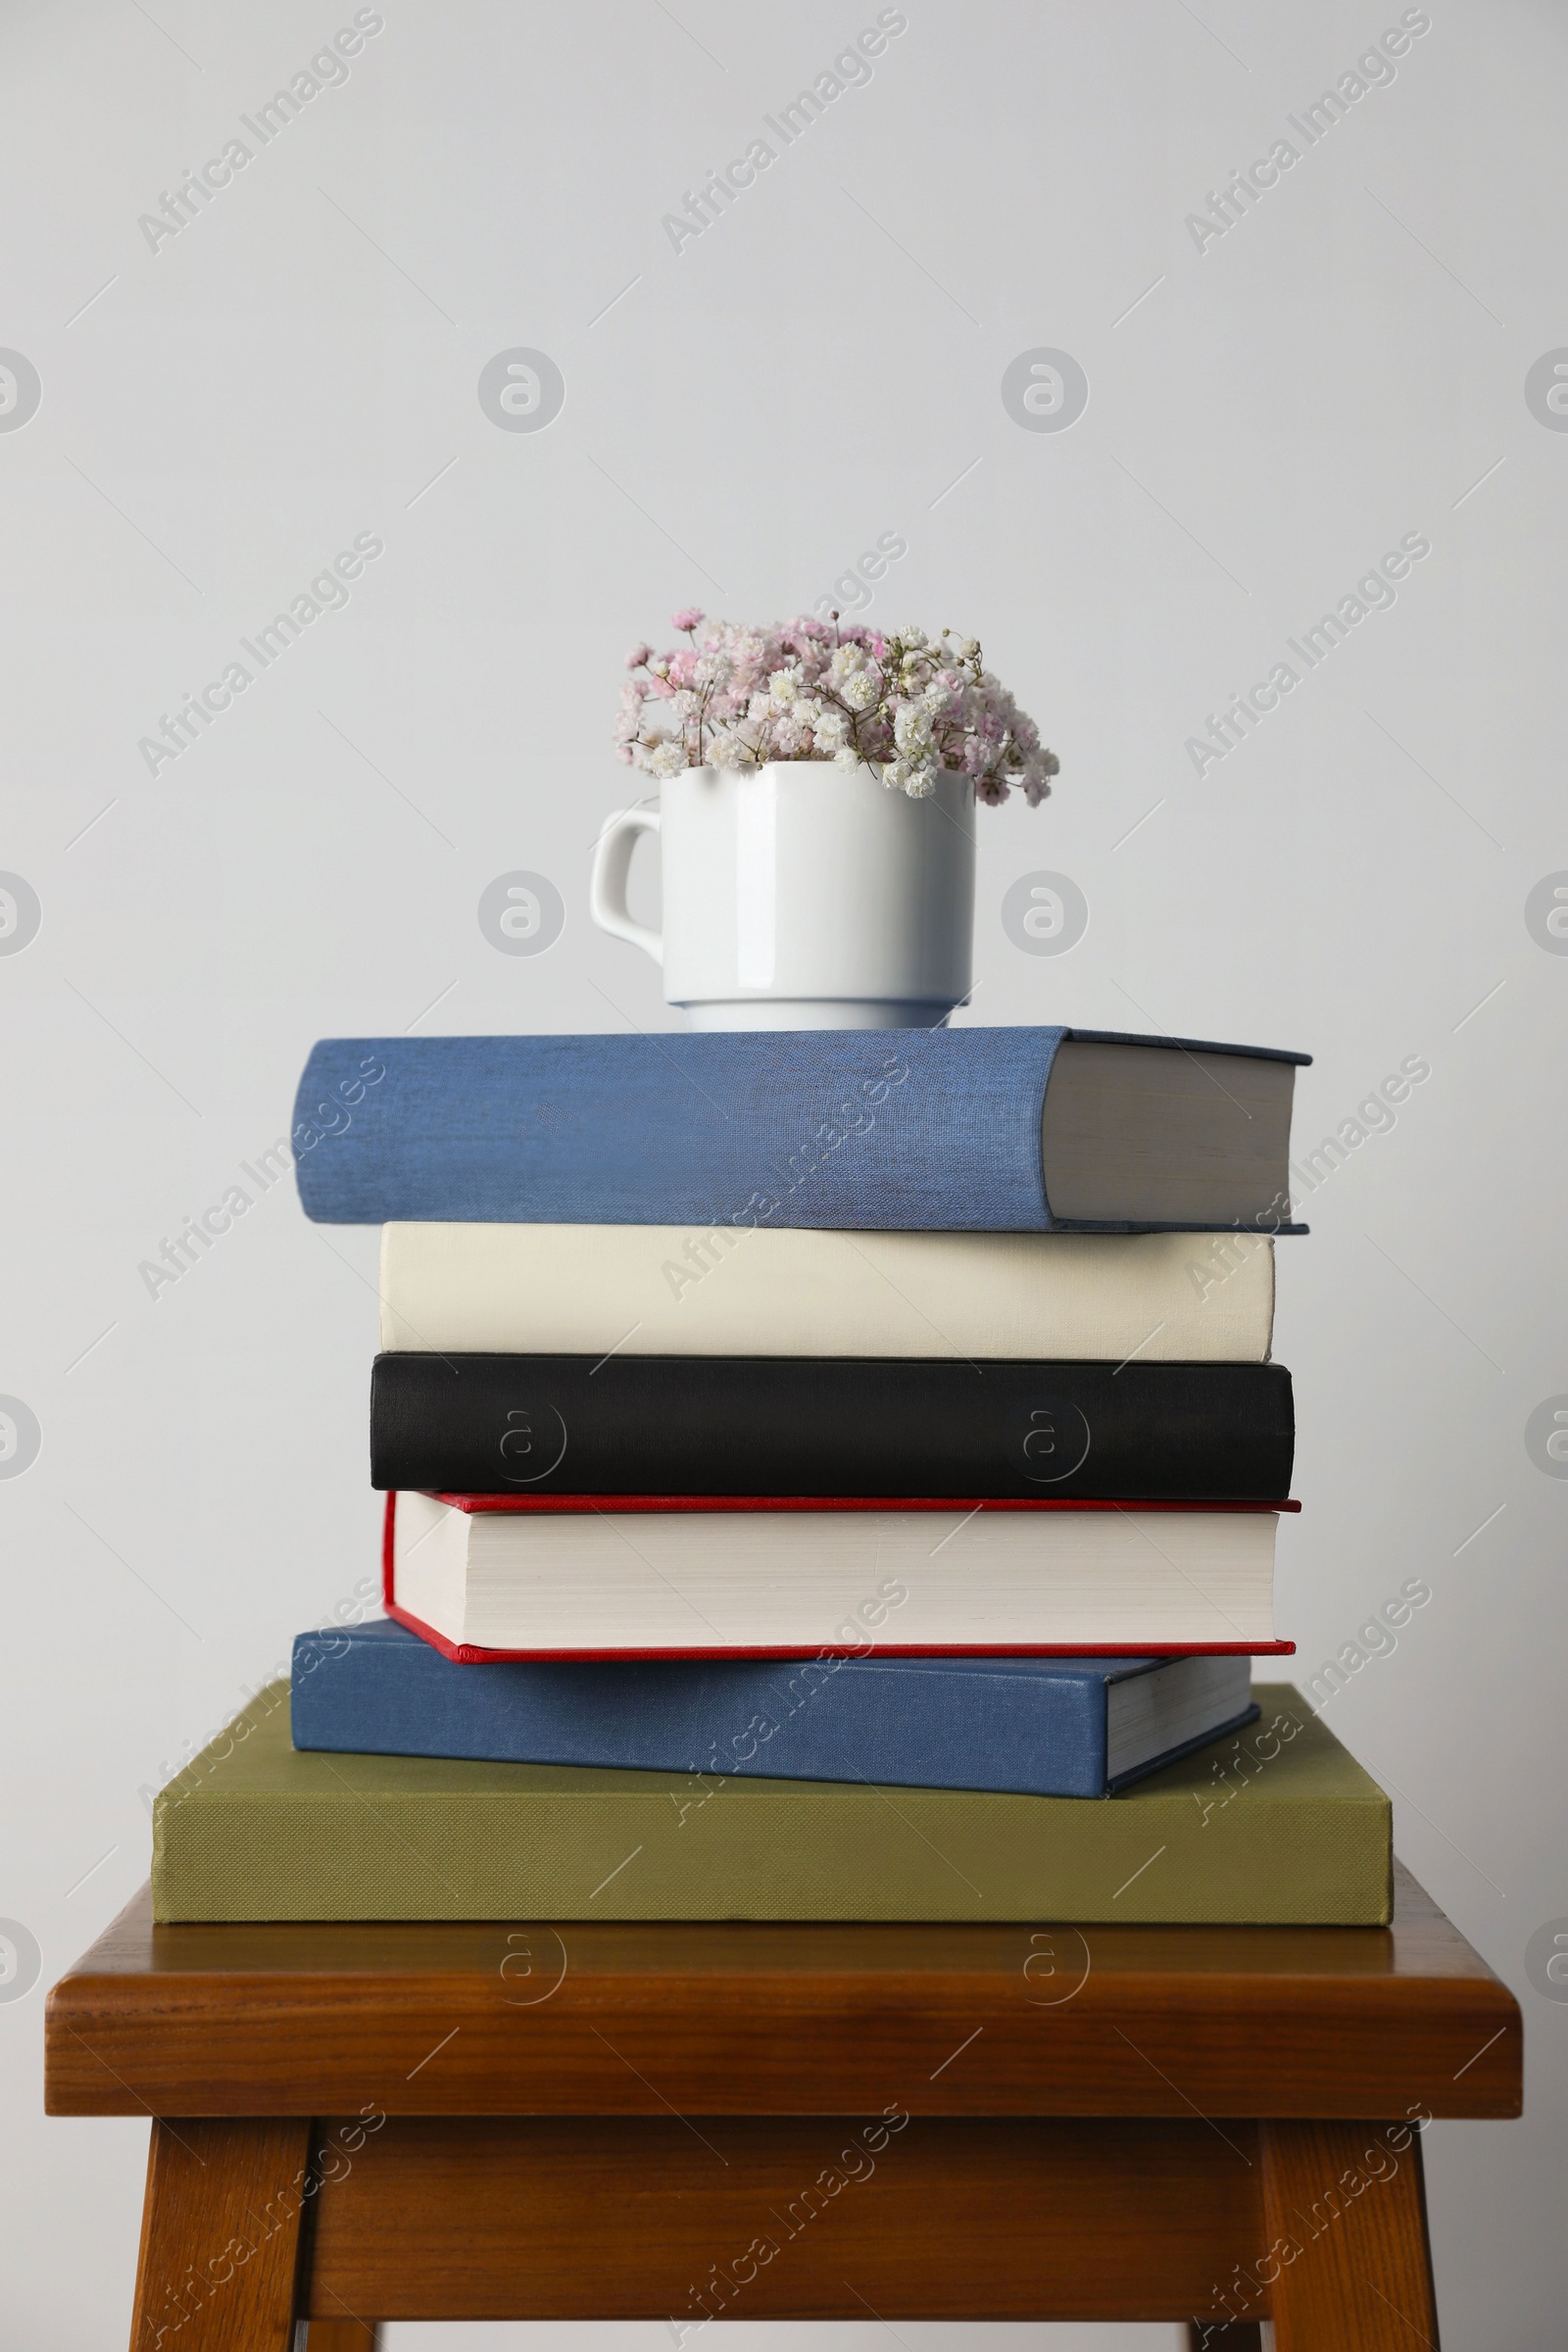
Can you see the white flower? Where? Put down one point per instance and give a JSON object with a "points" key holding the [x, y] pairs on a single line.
{"points": [[911, 729], [740, 695]]}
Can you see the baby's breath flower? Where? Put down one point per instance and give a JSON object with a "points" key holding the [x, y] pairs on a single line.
{"points": [[904, 704]]}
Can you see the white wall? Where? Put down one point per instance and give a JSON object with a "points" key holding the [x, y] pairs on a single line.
{"points": [[1341, 368]]}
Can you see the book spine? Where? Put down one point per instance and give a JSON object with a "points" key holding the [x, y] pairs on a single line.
{"points": [[289, 1840], [898, 1129], [817, 1718], [793, 1426], [824, 1719]]}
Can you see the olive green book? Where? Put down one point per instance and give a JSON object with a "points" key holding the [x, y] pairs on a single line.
{"points": [[1274, 1826]]}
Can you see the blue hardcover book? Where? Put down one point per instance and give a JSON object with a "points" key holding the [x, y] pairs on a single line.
{"points": [[1034, 1727], [958, 1130]]}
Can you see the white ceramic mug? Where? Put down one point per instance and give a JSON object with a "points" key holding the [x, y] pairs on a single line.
{"points": [[801, 894]]}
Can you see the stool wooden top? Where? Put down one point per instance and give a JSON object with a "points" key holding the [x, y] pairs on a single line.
{"points": [[613, 2019]]}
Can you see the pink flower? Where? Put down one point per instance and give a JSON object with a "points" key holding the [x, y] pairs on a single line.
{"points": [[936, 708]]}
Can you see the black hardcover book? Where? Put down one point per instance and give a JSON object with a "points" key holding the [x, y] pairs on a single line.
{"points": [[791, 1425]]}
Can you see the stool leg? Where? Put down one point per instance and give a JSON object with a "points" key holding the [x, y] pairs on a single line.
{"points": [[220, 2236], [1345, 2214]]}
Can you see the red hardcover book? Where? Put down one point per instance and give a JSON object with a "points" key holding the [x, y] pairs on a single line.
{"points": [[488, 1577]]}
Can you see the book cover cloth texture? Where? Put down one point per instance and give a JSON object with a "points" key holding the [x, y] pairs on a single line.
{"points": [[1283, 1826], [895, 1129], [658, 1289], [797, 1425], [943, 1723]]}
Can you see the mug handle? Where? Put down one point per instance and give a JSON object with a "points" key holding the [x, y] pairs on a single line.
{"points": [[607, 889]]}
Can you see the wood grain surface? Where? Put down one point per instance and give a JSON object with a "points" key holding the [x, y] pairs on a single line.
{"points": [[479, 2019], [220, 2236], [1347, 2204], [804, 2217]]}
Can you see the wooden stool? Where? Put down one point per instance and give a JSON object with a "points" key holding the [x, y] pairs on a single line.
{"points": [[355, 2124]]}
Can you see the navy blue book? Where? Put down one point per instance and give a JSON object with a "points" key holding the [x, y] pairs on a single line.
{"points": [[945, 1130], [1033, 1726]]}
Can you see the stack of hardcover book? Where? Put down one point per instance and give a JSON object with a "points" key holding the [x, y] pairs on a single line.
{"points": [[816, 1463]]}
